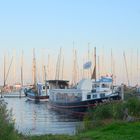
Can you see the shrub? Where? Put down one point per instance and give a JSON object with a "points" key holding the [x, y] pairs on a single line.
{"points": [[133, 106], [118, 110], [103, 112], [7, 130]]}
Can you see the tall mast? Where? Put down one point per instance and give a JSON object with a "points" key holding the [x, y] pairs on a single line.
{"points": [[95, 61], [75, 67], [4, 71], [88, 57], [114, 76], [34, 68], [58, 66], [94, 70], [14, 66], [126, 68], [98, 67], [131, 68], [111, 63], [45, 75], [112, 67], [43, 64], [48, 68], [103, 71], [6, 75], [22, 68], [137, 66], [62, 67]]}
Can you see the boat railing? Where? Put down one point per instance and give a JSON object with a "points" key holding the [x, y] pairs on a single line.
{"points": [[67, 91]]}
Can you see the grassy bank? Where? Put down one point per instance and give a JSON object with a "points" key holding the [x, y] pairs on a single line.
{"points": [[110, 121], [113, 131]]}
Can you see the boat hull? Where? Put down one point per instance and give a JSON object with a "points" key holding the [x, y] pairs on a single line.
{"points": [[37, 98], [81, 106]]}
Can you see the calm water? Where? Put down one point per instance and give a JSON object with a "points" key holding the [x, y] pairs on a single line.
{"points": [[36, 119]]}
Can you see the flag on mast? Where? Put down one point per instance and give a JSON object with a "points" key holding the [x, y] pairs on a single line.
{"points": [[87, 65]]}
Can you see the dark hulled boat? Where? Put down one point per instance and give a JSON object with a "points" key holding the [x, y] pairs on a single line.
{"points": [[38, 94], [87, 94]]}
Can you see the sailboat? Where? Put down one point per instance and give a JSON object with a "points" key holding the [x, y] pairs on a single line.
{"points": [[38, 91]]}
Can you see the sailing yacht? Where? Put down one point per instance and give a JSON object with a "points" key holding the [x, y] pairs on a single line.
{"points": [[37, 92]]}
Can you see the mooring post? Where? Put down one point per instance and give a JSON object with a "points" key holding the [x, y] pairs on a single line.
{"points": [[122, 92], [1, 93]]}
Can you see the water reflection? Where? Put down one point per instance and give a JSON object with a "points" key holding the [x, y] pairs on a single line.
{"points": [[31, 118]]}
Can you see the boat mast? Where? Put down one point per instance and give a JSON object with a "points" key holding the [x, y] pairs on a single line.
{"points": [[95, 62], [73, 65], [43, 65], [4, 71], [112, 74], [137, 66], [34, 68], [14, 66], [22, 68], [88, 58], [98, 67], [75, 77], [45, 74], [62, 68], [103, 71], [126, 68], [131, 69], [6, 77], [94, 70], [48, 68], [58, 66], [111, 63]]}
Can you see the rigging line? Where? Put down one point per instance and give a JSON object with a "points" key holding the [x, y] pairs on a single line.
{"points": [[9, 69]]}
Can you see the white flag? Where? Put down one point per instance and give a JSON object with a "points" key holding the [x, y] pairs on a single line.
{"points": [[87, 65]]}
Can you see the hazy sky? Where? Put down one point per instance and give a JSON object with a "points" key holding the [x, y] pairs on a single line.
{"points": [[50, 24]]}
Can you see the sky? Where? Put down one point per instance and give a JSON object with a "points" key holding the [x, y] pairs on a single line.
{"points": [[47, 25]]}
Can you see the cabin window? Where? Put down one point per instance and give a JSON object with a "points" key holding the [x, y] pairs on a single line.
{"points": [[43, 87], [95, 85], [93, 90], [94, 96], [105, 86], [88, 96], [102, 95]]}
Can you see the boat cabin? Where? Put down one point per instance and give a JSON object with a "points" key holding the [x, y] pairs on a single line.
{"points": [[86, 90], [41, 89], [57, 84], [101, 88]]}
